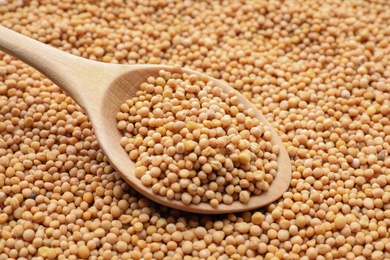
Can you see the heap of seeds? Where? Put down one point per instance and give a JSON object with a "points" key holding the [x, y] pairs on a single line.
{"points": [[318, 70], [193, 142]]}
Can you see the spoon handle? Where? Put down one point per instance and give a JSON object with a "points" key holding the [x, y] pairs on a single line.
{"points": [[53, 63], [75, 75]]}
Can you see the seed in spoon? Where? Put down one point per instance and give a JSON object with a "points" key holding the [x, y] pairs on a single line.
{"points": [[194, 143]]}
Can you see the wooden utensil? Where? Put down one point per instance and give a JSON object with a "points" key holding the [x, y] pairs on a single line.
{"points": [[100, 88]]}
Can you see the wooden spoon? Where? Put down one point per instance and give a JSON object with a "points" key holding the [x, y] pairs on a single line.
{"points": [[100, 88]]}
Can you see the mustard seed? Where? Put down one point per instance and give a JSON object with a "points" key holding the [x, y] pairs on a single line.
{"points": [[83, 252]]}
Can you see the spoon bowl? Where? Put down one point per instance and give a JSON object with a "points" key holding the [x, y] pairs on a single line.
{"points": [[100, 88]]}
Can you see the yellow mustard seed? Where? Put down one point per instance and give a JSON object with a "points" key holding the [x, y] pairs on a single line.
{"points": [[83, 252]]}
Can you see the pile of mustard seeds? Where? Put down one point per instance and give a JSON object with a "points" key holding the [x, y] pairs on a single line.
{"points": [[194, 143], [318, 70]]}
